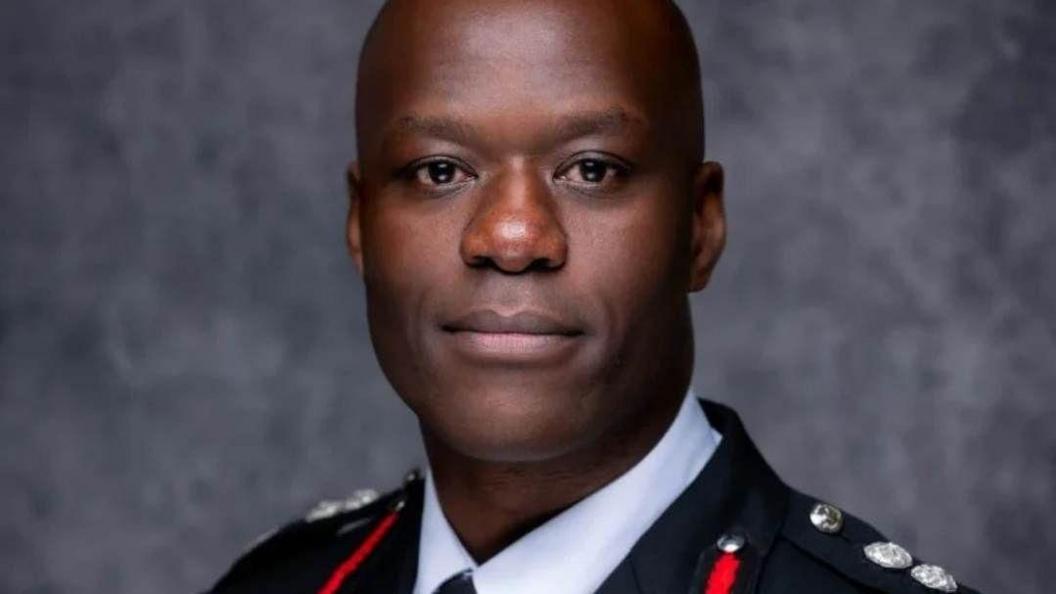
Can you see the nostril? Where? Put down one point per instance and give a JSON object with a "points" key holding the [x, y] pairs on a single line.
{"points": [[480, 262], [507, 265], [543, 264]]}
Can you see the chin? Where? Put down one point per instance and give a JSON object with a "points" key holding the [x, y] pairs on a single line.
{"points": [[511, 423]]}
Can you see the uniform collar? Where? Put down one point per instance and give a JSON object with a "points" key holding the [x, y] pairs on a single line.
{"points": [[576, 551]]}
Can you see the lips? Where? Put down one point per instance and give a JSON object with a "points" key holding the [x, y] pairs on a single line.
{"points": [[488, 321], [487, 337]]}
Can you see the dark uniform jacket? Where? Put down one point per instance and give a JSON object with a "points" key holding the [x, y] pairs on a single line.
{"points": [[736, 529]]}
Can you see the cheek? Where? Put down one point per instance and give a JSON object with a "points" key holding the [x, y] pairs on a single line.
{"points": [[404, 256], [635, 258]]}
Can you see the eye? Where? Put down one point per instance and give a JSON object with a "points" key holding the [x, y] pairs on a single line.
{"points": [[592, 171], [440, 172]]}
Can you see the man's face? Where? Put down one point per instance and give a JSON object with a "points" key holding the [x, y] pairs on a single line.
{"points": [[524, 214]]}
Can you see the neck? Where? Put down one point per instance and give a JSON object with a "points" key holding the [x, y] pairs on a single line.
{"points": [[491, 504]]}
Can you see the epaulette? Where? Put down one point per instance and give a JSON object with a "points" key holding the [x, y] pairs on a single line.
{"points": [[325, 521], [859, 552]]}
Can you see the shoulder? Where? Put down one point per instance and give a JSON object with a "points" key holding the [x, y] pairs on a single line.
{"points": [[310, 546], [822, 548]]}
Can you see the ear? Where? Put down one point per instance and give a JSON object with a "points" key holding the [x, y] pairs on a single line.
{"points": [[353, 235], [708, 223]]}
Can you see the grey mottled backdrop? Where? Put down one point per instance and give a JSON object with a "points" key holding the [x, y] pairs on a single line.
{"points": [[183, 356]]}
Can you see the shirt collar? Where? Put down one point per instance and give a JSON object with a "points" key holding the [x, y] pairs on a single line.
{"points": [[576, 550]]}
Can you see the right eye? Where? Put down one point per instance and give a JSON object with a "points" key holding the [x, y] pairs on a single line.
{"points": [[439, 173]]}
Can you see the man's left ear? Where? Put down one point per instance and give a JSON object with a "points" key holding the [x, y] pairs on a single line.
{"points": [[353, 235], [708, 224]]}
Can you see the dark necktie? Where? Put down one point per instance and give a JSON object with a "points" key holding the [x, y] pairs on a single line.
{"points": [[460, 583]]}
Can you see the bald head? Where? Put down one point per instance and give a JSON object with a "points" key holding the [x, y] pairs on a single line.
{"points": [[437, 46]]}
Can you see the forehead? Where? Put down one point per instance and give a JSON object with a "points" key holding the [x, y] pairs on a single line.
{"points": [[506, 62]]}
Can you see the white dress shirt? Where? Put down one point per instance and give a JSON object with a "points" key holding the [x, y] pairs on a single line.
{"points": [[576, 550]]}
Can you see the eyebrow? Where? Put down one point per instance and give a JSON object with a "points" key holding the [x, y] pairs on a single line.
{"points": [[567, 127], [439, 127], [589, 123]]}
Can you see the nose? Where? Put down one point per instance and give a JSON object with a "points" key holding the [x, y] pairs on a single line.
{"points": [[515, 227]]}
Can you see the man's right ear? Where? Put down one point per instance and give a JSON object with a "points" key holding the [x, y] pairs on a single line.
{"points": [[353, 235]]}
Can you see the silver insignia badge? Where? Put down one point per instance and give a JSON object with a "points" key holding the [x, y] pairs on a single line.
{"points": [[327, 509], [826, 518], [888, 555], [934, 577]]}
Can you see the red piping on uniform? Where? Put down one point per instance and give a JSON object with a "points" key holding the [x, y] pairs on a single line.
{"points": [[359, 555], [723, 574]]}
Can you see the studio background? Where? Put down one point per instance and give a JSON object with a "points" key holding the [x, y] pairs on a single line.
{"points": [[184, 360]]}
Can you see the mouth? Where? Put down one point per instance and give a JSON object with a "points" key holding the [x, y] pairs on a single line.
{"points": [[524, 336]]}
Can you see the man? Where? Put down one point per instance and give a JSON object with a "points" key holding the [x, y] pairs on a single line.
{"points": [[529, 211]]}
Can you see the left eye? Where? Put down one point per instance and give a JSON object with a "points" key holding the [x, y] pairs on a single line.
{"points": [[591, 171], [440, 173]]}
